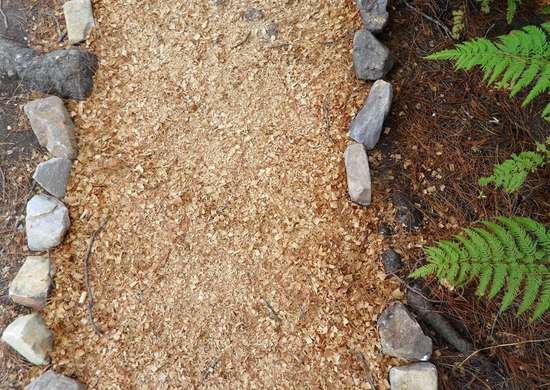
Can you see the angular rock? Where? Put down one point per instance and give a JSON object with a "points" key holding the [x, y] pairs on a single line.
{"points": [[53, 175], [252, 14], [80, 20], [418, 376], [358, 174], [30, 337], [391, 261], [368, 124], [46, 222], [51, 380], [401, 336], [68, 73], [53, 126], [374, 14], [269, 32], [32, 283], [371, 59]]}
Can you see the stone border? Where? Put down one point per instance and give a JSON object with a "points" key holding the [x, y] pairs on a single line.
{"points": [[47, 218], [400, 334]]}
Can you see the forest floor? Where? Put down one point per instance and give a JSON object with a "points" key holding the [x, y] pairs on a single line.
{"points": [[231, 256]]}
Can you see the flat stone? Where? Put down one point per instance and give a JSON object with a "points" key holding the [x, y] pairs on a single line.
{"points": [[53, 126], [30, 337], [68, 73], [418, 376], [371, 59], [32, 283], [401, 336], [53, 175], [358, 174], [46, 222], [374, 14], [51, 380], [80, 20], [391, 261], [368, 124]]}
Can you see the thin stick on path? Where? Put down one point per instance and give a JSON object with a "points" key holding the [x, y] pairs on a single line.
{"points": [[368, 373], [96, 327]]}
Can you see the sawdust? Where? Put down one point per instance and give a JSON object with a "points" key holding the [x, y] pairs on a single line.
{"points": [[232, 257]]}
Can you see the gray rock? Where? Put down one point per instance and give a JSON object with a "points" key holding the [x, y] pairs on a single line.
{"points": [[32, 283], [368, 124], [67, 73], [406, 211], [418, 376], [374, 14], [46, 223], [53, 175], [358, 174], [79, 18], [371, 59], [401, 336], [53, 126], [391, 261], [252, 14], [51, 380], [30, 337]]}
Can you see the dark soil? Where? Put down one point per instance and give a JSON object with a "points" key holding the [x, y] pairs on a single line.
{"points": [[447, 130], [19, 154]]}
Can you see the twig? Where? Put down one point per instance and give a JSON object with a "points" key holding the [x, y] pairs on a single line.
{"points": [[367, 370], [272, 313], [428, 17], [500, 346], [96, 327], [415, 290], [4, 16]]}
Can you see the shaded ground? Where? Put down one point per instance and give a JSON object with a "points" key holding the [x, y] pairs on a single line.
{"points": [[448, 130], [19, 155]]}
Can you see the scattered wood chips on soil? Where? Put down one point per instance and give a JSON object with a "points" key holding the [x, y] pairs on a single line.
{"points": [[232, 257]]}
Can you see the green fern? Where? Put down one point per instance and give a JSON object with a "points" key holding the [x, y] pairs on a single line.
{"points": [[511, 253], [516, 61], [511, 174], [510, 10]]}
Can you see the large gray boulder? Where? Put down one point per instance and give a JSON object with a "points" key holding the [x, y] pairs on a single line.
{"points": [[67, 73], [374, 14], [358, 174], [79, 18], [30, 337], [418, 376], [371, 59], [368, 124], [46, 223], [53, 126], [53, 175], [32, 283], [401, 336], [51, 380]]}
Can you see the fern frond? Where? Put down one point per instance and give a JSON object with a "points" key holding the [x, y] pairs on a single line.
{"points": [[532, 285], [511, 174], [504, 254], [516, 61], [514, 283], [544, 300]]}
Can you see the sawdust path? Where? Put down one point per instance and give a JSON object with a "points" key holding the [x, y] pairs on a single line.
{"points": [[232, 257]]}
